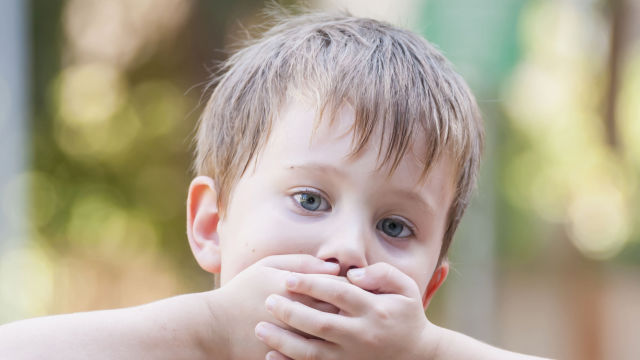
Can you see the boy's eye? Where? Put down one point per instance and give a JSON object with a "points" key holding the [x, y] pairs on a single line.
{"points": [[310, 201], [394, 228]]}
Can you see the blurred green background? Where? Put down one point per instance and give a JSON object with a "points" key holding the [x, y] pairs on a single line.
{"points": [[98, 102]]}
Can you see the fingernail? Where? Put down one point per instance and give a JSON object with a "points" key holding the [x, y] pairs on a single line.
{"points": [[271, 356], [261, 331], [356, 273], [270, 302], [331, 266], [292, 281]]}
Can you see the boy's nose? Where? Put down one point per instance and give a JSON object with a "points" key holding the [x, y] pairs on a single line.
{"points": [[347, 248]]}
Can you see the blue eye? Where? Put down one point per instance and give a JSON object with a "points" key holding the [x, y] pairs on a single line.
{"points": [[394, 228], [310, 201]]}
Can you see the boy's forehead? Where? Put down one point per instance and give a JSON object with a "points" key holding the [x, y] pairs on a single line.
{"points": [[298, 125], [300, 140]]}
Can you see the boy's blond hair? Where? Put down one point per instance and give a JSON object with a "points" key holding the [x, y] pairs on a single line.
{"points": [[395, 80]]}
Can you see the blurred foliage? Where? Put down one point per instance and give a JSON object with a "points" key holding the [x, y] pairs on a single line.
{"points": [[541, 72], [559, 174], [117, 89]]}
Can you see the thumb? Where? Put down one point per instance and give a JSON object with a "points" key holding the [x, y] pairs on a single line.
{"points": [[382, 278]]}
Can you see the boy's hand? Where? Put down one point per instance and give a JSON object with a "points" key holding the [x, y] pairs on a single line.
{"points": [[238, 306], [381, 317]]}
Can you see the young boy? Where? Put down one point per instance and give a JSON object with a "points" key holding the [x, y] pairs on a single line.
{"points": [[336, 157]]}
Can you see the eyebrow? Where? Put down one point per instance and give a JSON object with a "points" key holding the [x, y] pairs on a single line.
{"points": [[318, 167], [424, 205], [408, 195]]}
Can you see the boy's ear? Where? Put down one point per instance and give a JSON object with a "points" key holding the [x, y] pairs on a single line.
{"points": [[438, 278], [202, 223]]}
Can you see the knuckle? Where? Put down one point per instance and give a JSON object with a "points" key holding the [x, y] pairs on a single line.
{"points": [[388, 272], [303, 283], [381, 271], [381, 312], [372, 339], [311, 354], [304, 262], [275, 342], [324, 327], [338, 296], [286, 314]]}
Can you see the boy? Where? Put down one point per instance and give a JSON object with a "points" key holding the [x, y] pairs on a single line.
{"points": [[336, 157]]}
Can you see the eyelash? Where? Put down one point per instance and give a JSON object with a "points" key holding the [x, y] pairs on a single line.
{"points": [[411, 228], [323, 198], [314, 193]]}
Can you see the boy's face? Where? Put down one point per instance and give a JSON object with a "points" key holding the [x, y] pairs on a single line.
{"points": [[305, 195]]}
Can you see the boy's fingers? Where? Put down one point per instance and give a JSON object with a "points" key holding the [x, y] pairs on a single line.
{"points": [[343, 295], [274, 355], [326, 326], [290, 344], [383, 278], [301, 263], [314, 303]]}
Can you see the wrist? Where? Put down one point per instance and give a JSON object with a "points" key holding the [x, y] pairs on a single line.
{"points": [[212, 336], [432, 341]]}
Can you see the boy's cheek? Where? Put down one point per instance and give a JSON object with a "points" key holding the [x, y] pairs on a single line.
{"points": [[261, 238]]}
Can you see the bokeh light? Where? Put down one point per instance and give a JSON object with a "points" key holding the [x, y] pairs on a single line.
{"points": [[568, 174], [90, 94], [131, 28], [26, 281]]}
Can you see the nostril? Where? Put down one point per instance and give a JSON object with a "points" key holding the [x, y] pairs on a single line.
{"points": [[333, 260], [352, 267]]}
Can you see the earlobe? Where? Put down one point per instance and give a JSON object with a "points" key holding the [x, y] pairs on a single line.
{"points": [[438, 278], [202, 223]]}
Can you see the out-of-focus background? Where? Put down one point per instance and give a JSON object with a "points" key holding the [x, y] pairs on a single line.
{"points": [[98, 101]]}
